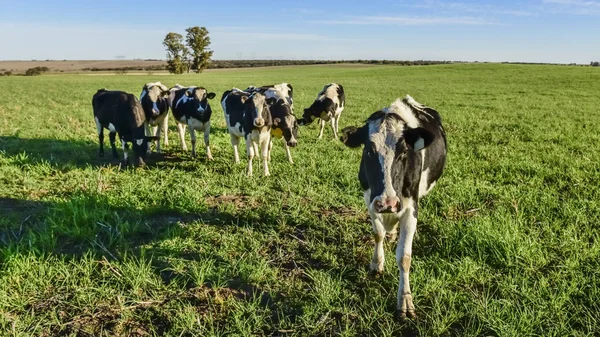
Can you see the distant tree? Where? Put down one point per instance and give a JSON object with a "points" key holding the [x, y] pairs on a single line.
{"points": [[197, 40], [176, 53], [595, 64], [36, 71]]}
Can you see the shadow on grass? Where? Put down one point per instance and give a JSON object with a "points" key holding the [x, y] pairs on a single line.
{"points": [[67, 154], [88, 224]]}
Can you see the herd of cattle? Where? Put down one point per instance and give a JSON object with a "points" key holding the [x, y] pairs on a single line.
{"points": [[255, 114], [404, 145]]}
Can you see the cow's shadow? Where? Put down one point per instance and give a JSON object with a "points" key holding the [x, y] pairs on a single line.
{"points": [[69, 154]]}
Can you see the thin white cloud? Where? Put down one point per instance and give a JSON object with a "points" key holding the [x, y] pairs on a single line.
{"points": [[574, 7], [406, 21], [472, 8]]}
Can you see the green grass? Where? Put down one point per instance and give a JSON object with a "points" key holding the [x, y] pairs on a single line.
{"points": [[507, 243]]}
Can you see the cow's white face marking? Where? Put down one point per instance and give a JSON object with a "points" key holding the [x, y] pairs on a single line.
{"points": [[139, 142], [111, 127], [384, 134]]}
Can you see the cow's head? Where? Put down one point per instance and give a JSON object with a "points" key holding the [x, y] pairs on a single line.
{"points": [[390, 145], [140, 148], [257, 110], [319, 109], [198, 98], [153, 93], [288, 124]]}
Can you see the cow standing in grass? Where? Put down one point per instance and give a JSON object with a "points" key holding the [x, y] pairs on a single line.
{"points": [[285, 125], [247, 115], [190, 108], [328, 106], [156, 107], [404, 153], [121, 113]]}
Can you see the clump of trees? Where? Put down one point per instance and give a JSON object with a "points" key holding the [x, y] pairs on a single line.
{"points": [[189, 53], [36, 71], [595, 64]]}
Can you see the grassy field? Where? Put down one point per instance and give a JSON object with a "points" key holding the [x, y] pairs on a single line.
{"points": [[508, 242]]}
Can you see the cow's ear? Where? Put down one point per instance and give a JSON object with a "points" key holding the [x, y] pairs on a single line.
{"points": [[211, 95], [353, 136], [187, 93], [418, 138], [244, 99]]}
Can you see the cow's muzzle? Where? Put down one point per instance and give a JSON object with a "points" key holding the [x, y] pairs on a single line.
{"points": [[387, 205], [259, 122]]}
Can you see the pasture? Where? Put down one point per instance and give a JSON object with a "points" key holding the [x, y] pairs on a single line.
{"points": [[507, 244]]}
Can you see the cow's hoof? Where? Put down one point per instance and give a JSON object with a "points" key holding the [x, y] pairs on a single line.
{"points": [[210, 158], [403, 316], [375, 274]]}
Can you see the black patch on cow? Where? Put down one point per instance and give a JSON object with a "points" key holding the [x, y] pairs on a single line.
{"points": [[280, 112], [235, 107]]}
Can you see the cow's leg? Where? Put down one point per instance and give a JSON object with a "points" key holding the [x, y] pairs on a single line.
{"points": [[125, 149], [337, 125], [181, 132], [264, 147], [193, 137], [112, 136], [322, 124], [156, 130], [165, 126], [250, 152], [270, 148], [288, 153], [333, 122], [207, 140], [408, 226], [256, 151], [377, 262], [235, 142], [100, 137]]}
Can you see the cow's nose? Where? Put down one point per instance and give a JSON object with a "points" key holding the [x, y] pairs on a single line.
{"points": [[259, 122], [155, 111], [387, 205]]}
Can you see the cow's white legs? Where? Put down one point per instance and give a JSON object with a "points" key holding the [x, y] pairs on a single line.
{"points": [[337, 125], [207, 140], [165, 127], [377, 263], [408, 226], [255, 144], [156, 132], [270, 148], [181, 131], [193, 137], [333, 122], [287, 152], [250, 152], [264, 147], [149, 132], [235, 142], [322, 124]]}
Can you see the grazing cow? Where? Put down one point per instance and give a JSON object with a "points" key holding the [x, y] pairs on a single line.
{"points": [[285, 88], [285, 124], [190, 108], [403, 156], [156, 107], [247, 115], [329, 105], [121, 113]]}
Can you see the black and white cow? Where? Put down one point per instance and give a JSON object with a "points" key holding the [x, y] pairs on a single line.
{"points": [[285, 125], [404, 153], [247, 115], [286, 90], [190, 108], [328, 106], [154, 100], [121, 113]]}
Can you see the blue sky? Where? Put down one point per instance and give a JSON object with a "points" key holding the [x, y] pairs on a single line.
{"points": [[562, 31]]}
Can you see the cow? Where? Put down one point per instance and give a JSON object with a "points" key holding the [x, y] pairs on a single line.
{"points": [[247, 115], [121, 113], [156, 107], [285, 125], [286, 90], [404, 153], [190, 108], [328, 106]]}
